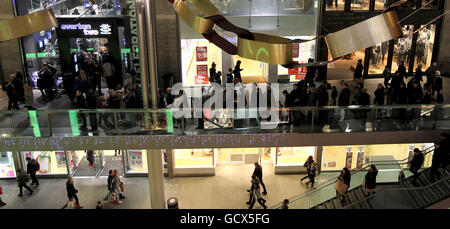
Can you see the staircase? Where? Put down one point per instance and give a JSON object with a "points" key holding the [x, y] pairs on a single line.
{"points": [[425, 193]]}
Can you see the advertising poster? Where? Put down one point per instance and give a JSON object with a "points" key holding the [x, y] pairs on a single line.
{"points": [[202, 53], [301, 74], [360, 160], [202, 75], [135, 159], [348, 159], [295, 50]]}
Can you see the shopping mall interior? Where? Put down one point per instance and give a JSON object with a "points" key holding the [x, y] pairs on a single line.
{"points": [[113, 63]]}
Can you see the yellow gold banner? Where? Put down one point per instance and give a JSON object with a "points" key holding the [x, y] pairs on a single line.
{"points": [[266, 48], [198, 24], [205, 7], [365, 34], [28, 24]]}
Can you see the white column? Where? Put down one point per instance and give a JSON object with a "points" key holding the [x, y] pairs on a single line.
{"points": [[156, 179]]}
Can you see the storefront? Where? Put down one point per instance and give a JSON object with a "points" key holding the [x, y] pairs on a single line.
{"points": [[7, 168], [267, 17], [84, 30], [413, 49]]}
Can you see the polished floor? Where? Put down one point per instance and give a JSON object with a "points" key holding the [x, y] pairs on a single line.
{"points": [[226, 190]]}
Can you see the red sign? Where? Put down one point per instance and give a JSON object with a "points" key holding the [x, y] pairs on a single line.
{"points": [[360, 160], [293, 71], [202, 53], [348, 160], [202, 74], [295, 50]]}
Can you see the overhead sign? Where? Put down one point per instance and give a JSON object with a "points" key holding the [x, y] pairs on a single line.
{"points": [[88, 29]]}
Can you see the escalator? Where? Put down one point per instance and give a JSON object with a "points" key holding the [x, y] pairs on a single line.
{"points": [[323, 194]]}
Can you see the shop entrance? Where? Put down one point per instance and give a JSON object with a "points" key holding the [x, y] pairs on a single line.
{"points": [[96, 163], [83, 48]]}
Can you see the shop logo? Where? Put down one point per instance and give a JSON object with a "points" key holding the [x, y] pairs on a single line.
{"points": [[105, 29]]}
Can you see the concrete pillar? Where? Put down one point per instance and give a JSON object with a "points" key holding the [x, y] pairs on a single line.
{"points": [[16, 158], [318, 157], [170, 162], [156, 179]]}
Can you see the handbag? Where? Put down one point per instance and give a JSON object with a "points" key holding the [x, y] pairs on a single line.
{"points": [[122, 187], [341, 187]]}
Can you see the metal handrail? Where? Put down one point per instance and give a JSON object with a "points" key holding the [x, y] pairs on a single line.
{"points": [[398, 189], [332, 180]]}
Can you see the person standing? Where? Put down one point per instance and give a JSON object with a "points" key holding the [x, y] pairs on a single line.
{"points": [[402, 69], [437, 84], [11, 92], [363, 100], [32, 169], [345, 178], [91, 102], [359, 70], [72, 192], [212, 73], [430, 73], [387, 75], [18, 85], [29, 97], [416, 164], [259, 174], [119, 183], [371, 180], [307, 165], [109, 74], [379, 95], [112, 186], [80, 103], [419, 74], [237, 72], [312, 174], [436, 162], [22, 180], [97, 72]]}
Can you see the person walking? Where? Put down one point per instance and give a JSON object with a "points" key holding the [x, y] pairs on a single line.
{"points": [[255, 194], [370, 180], [237, 72], [212, 73], [307, 165], [258, 173], [13, 102], [436, 162], [285, 204], [32, 168], [22, 180], [120, 186], [312, 174], [72, 192], [345, 178], [416, 164], [112, 186], [358, 71], [1, 201]]}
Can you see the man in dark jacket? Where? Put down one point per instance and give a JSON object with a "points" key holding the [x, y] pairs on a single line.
{"points": [[379, 95], [416, 163], [402, 69], [12, 96], [344, 96], [430, 73], [212, 73], [72, 192], [18, 85], [418, 75], [22, 180], [80, 103], [258, 173], [363, 100], [359, 70], [32, 168], [436, 162]]}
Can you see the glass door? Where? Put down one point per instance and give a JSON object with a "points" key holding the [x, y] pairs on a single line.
{"points": [[86, 163]]}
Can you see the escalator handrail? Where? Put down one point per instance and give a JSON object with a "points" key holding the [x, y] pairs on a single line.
{"points": [[364, 167], [399, 189]]}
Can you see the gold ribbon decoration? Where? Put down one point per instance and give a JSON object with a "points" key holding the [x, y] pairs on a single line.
{"points": [[26, 25], [368, 33], [278, 50]]}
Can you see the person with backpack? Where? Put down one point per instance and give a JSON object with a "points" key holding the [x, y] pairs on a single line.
{"points": [[22, 180], [307, 165], [255, 194], [32, 168], [416, 163], [72, 192], [312, 174]]}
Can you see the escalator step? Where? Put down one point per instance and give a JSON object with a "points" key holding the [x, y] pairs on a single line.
{"points": [[329, 205], [360, 194], [428, 194], [321, 206], [337, 203], [419, 199]]}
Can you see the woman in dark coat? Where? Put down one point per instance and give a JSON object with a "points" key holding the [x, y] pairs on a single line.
{"points": [[371, 180], [72, 191], [345, 177]]}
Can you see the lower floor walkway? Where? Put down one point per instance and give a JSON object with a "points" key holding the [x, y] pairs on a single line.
{"points": [[226, 190]]}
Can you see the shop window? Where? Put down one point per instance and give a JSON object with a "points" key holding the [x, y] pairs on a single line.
{"points": [[378, 57], [424, 47], [242, 155], [51, 162], [301, 53], [402, 48], [332, 5], [7, 169], [383, 4], [347, 65], [77, 7], [189, 158], [359, 4], [289, 156], [197, 58], [136, 161]]}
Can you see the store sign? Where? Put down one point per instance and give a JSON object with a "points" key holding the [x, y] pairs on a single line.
{"points": [[300, 73], [202, 53], [202, 75], [348, 158], [295, 50], [104, 29], [136, 66]]}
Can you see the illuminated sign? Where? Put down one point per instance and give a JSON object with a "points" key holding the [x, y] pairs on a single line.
{"points": [[105, 29]]}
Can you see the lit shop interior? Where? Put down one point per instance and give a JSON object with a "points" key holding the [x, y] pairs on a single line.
{"points": [[198, 54]]}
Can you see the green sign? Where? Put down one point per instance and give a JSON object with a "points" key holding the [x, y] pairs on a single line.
{"points": [[169, 118], [34, 123], [30, 55], [74, 122]]}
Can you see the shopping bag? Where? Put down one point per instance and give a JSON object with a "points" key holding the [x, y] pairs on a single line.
{"points": [[122, 187], [341, 187]]}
